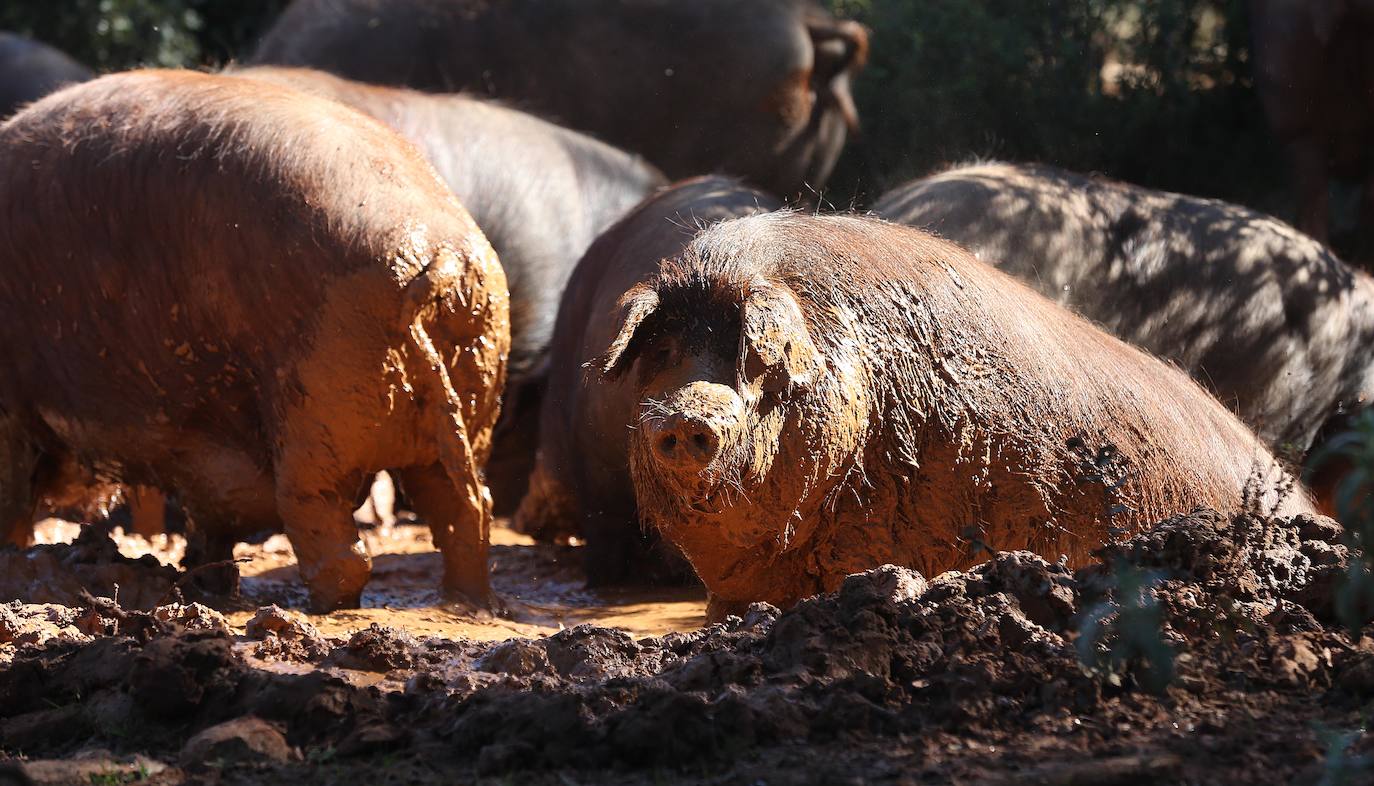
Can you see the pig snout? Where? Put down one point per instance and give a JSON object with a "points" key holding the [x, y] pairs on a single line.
{"points": [[697, 423], [686, 442]]}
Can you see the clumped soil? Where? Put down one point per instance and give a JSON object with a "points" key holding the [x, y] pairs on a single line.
{"points": [[1206, 650]]}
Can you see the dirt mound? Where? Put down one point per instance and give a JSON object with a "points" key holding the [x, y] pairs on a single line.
{"points": [[1202, 648], [60, 573]]}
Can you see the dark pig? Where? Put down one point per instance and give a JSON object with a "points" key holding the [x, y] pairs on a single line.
{"points": [[581, 483], [539, 192], [1267, 318], [251, 296], [1314, 71], [659, 78], [30, 70], [820, 395]]}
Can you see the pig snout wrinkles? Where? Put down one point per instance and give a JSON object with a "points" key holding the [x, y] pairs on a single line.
{"points": [[691, 435]]}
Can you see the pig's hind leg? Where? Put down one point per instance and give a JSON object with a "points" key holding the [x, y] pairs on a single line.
{"points": [[458, 512], [314, 498], [18, 461]]}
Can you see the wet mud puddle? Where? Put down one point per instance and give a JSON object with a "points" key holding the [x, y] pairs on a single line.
{"points": [[540, 587]]}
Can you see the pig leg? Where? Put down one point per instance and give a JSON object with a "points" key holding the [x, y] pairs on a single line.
{"points": [[318, 520], [457, 510], [513, 445], [18, 503], [210, 555], [147, 510], [379, 509], [1313, 186], [547, 512], [617, 550], [464, 530]]}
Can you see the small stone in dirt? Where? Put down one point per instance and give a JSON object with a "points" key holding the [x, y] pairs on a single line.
{"points": [[1319, 528], [241, 740], [377, 648], [517, 657], [193, 616], [1044, 590], [889, 583], [592, 652], [24, 624], [285, 635], [275, 620]]}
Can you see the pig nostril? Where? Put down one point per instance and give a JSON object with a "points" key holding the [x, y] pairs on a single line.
{"points": [[701, 442], [667, 444]]}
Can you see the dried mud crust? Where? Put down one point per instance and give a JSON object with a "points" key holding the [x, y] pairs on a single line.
{"points": [[988, 675]]}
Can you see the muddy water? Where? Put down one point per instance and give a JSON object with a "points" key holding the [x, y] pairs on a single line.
{"points": [[541, 589]]}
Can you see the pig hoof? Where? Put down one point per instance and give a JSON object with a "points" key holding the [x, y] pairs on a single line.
{"points": [[718, 608], [339, 584], [217, 580], [325, 602], [484, 606]]}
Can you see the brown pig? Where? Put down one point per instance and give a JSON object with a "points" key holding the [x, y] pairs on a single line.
{"points": [[1266, 317], [581, 482], [540, 193], [820, 395], [251, 296]]}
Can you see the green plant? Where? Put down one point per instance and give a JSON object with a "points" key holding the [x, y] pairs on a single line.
{"points": [[1351, 454], [1115, 639], [1338, 766], [113, 35]]}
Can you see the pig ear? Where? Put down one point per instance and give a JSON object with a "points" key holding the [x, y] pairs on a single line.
{"points": [[776, 350], [633, 307], [841, 49]]}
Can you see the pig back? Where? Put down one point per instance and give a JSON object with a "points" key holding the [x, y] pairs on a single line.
{"points": [[171, 239], [1264, 316]]}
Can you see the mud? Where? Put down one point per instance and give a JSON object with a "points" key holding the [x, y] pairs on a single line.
{"points": [[1015, 671]]}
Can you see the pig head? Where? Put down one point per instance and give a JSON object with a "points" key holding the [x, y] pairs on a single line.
{"points": [[746, 424]]}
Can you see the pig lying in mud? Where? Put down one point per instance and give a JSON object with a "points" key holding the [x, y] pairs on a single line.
{"points": [[820, 395], [1267, 318], [251, 296], [659, 78], [581, 484], [30, 70], [540, 193]]}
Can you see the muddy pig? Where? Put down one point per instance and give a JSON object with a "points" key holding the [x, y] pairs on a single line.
{"points": [[659, 78], [581, 483], [1269, 319], [539, 192], [251, 296], [30, 70], [820, 395], [1315, 75]]}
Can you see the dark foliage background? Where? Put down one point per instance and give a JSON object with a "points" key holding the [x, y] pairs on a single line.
{"points": [[1153, 91], [1157, 92], [113, 35]]}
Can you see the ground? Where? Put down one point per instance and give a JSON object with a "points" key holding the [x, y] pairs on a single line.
{"points": [[1206, 650]]}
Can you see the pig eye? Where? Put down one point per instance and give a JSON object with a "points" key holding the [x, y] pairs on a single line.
{"points": [[769, 401]]}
